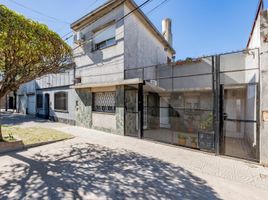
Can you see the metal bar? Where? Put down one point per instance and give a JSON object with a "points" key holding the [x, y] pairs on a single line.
{"points": [[241, 120], [140, 111], [167, 77], [258, 106], [239, 70], [217, 105]]}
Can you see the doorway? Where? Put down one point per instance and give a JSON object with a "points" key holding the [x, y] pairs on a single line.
{"points": [[239, 133], [47, 106]]}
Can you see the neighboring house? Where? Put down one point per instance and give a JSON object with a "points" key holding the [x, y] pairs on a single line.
{"points": [[8, 102], [124, 82]]}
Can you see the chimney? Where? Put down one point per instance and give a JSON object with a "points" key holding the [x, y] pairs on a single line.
{"points": [[166, 30]]}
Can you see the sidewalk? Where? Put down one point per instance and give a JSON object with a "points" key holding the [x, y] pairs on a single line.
{"points": [[158, 170], [236, 170]]}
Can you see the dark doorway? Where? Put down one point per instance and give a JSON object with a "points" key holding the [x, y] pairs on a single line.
{"points": [[47, 106], [239, 133], [11, 103]]}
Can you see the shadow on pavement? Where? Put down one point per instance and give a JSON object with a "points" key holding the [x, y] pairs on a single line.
{"points": [[87, 171], [9, 118]]}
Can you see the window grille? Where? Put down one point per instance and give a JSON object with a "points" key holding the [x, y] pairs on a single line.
{"points": [[39, 101], [61, 101], [104, 102]]}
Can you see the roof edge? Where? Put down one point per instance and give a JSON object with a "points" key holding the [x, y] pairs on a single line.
{"points": [[259, 9]]}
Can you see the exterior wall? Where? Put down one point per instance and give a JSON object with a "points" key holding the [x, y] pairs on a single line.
{"points": [[66, 117], [24, 94], [55, 80], [85, 117], [105, 65], [83, 113], [264, 90], [98, 120], [255, 41], [142, 48], [4, 102]]}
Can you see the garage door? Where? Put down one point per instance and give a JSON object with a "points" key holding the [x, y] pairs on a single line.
{"points": [[31, 104]]}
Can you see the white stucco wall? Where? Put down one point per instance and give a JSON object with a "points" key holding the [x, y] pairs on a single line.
{"points": [[255, 41], [104, 65], [55, 80], [98, 120], [142, 48], [72, 97]]}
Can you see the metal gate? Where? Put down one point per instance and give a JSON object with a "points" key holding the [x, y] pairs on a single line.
{"points": [[131, 111], [239, 104], [209, 103]]}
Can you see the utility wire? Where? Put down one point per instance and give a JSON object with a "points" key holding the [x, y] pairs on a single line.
{"points": [[133, 26], [131, 12], [38, 12], [92, 4]]}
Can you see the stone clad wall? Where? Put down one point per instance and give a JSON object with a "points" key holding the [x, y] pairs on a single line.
{"points": [[84, 108], [120, 108]]}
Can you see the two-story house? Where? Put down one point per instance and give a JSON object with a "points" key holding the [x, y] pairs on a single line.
{"points": [[123, 82], [109, 40]]}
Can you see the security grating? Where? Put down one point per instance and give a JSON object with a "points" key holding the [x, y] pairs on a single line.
{"points": [[104, 102]]}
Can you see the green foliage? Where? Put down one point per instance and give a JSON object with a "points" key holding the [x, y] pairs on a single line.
{"points": [[28, 50], [207, 123]]}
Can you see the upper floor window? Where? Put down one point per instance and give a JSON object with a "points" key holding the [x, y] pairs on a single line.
{"points": [[61, 101], [104, 37]]}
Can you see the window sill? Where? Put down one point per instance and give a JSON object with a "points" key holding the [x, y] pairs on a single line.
{"points": [[61, 111], [104, 113]]}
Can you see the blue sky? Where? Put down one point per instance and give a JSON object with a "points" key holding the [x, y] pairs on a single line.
{"points": [[200, 27]]}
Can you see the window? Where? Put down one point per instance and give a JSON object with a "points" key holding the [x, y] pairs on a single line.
{"points": [[104, 102], [104, 37], [39, 101], [61, 101]]}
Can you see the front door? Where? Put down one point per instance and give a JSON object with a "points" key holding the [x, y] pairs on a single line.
{"points": [[47, 106], [239, 124]]}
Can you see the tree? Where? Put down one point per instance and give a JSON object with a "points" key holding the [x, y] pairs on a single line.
{"points": [[28, 50]]}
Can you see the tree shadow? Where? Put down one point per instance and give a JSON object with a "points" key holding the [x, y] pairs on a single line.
{"points": [[87, 171], [8, 118]]}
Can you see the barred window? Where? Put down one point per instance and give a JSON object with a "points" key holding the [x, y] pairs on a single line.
{"points": [[61, 101], [104, 102], [39, 101]]}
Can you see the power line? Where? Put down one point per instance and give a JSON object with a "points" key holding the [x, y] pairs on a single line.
{"points": [[92, 4], [40, 13], [131, 27], [140, 6], [131, 12]]}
